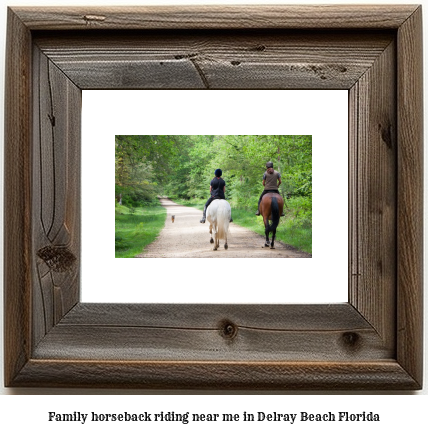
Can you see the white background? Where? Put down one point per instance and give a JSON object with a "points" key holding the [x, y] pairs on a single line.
{"points": [[320, 279], [399, 412]]}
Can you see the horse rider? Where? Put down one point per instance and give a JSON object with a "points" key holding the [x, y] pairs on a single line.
{"points": [[271, 183], [217, 189]]}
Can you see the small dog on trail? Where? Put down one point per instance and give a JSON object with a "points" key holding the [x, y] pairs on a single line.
{"points": [[173, 218]]}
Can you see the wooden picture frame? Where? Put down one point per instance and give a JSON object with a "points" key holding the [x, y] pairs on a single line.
{"points": [[372, 342]]}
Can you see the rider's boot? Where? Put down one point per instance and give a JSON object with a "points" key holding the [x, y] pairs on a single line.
{"points": [[203, 215], [258, 208]]}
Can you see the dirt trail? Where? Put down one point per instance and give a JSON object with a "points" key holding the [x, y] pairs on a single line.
{"points": [[187, 238]]}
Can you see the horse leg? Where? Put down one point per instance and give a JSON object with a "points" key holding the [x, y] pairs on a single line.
{"points": [[273, 239], [215, 239], [225, 244], [211, 233], [266, 232], [267, 238]]}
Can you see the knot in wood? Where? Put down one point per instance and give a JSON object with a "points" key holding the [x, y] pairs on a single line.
{"points": [[227, 329], [58, 259], [94, 18], [351, 340], [386, 134]]}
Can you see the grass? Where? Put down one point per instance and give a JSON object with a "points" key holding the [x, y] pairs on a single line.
{"points": [[136, 228], [194, 203], [290, 231]]}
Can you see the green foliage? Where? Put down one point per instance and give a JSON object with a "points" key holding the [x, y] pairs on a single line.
{"points": [[136, 228], [181, 167], [299, 210], [144, 165], [195, 203], [292, 230]]}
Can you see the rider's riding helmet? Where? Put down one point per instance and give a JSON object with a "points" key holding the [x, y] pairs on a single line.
{"points": [[218, 173], [269, 164]]}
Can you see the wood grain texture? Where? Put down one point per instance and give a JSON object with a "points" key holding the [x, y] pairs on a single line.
{"points": [[210, 316], [216, 59], [56, 194], [199, 332], [17, 199], [217, 17], [385, 375], [410, 196], [372, 342], [373, 168]]}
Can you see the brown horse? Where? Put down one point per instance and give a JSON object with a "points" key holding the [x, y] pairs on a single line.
{"points": [[271, 208]]}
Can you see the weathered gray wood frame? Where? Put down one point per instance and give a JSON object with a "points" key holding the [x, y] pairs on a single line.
{"points": [[372, 342]]}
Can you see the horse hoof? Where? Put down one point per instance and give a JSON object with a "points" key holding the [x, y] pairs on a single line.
{"points": [[266, 245], [211, 241], [226, 246], [272, 247]]}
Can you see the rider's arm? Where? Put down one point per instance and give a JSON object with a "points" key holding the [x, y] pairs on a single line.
{"points": [[264, 179]]}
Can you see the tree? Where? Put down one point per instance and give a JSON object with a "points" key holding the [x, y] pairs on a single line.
{"points": [[182, 166]]}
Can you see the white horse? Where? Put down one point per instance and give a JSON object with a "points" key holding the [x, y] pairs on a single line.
{"points": [[218, 215]]}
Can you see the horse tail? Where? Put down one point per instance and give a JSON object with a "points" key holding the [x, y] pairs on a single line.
{"points": [[223, 219], [275, 214]]}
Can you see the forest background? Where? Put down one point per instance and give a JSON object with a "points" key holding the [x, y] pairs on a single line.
{"points": [[181, 167]]}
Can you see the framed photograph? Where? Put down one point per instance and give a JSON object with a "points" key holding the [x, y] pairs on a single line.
{"points": [[371, 342], [258, 112]]}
